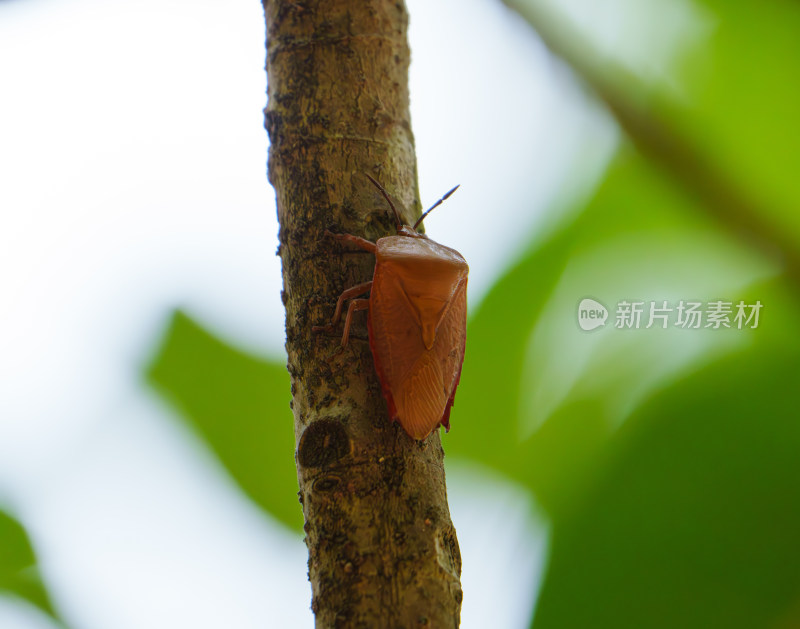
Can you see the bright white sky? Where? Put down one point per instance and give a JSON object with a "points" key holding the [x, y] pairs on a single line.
{"points": [[132, 181]]}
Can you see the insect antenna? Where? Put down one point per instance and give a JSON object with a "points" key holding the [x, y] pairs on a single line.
{"points": [[388, 200], [435, 205]]}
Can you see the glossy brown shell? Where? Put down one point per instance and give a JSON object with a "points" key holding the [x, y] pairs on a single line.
{"points": [[417, 329]]}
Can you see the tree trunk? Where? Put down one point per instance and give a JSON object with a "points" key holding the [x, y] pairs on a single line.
{"points": [[382, 548]]}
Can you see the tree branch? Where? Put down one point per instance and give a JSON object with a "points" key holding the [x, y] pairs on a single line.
{"points": [[382, 548]]}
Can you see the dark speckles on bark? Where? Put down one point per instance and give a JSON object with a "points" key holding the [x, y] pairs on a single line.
{"points": [[393, 471]]}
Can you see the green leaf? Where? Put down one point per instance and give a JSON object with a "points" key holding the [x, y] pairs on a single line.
{"points": [[638, 237], [19, 573], [692, 519], [239, 405], [485, 426]]}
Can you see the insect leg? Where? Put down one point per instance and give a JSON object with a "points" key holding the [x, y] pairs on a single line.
{"points": [[359, 242], [356, 304], [355, 291]]}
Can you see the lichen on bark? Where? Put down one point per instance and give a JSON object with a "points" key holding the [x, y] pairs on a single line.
{"points": [[382, 548]]}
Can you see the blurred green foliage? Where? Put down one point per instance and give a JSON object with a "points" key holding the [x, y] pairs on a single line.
{"points": [[691, 520], [668, 461], [19, 572], [240, 406]]}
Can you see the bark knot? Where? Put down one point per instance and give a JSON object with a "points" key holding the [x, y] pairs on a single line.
{"points": [[322, 443]]}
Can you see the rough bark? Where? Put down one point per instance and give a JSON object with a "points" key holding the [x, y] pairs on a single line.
{"points": [[382, 548]]}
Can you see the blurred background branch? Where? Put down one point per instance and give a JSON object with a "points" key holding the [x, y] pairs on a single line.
{"points": [[732, 203]]}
